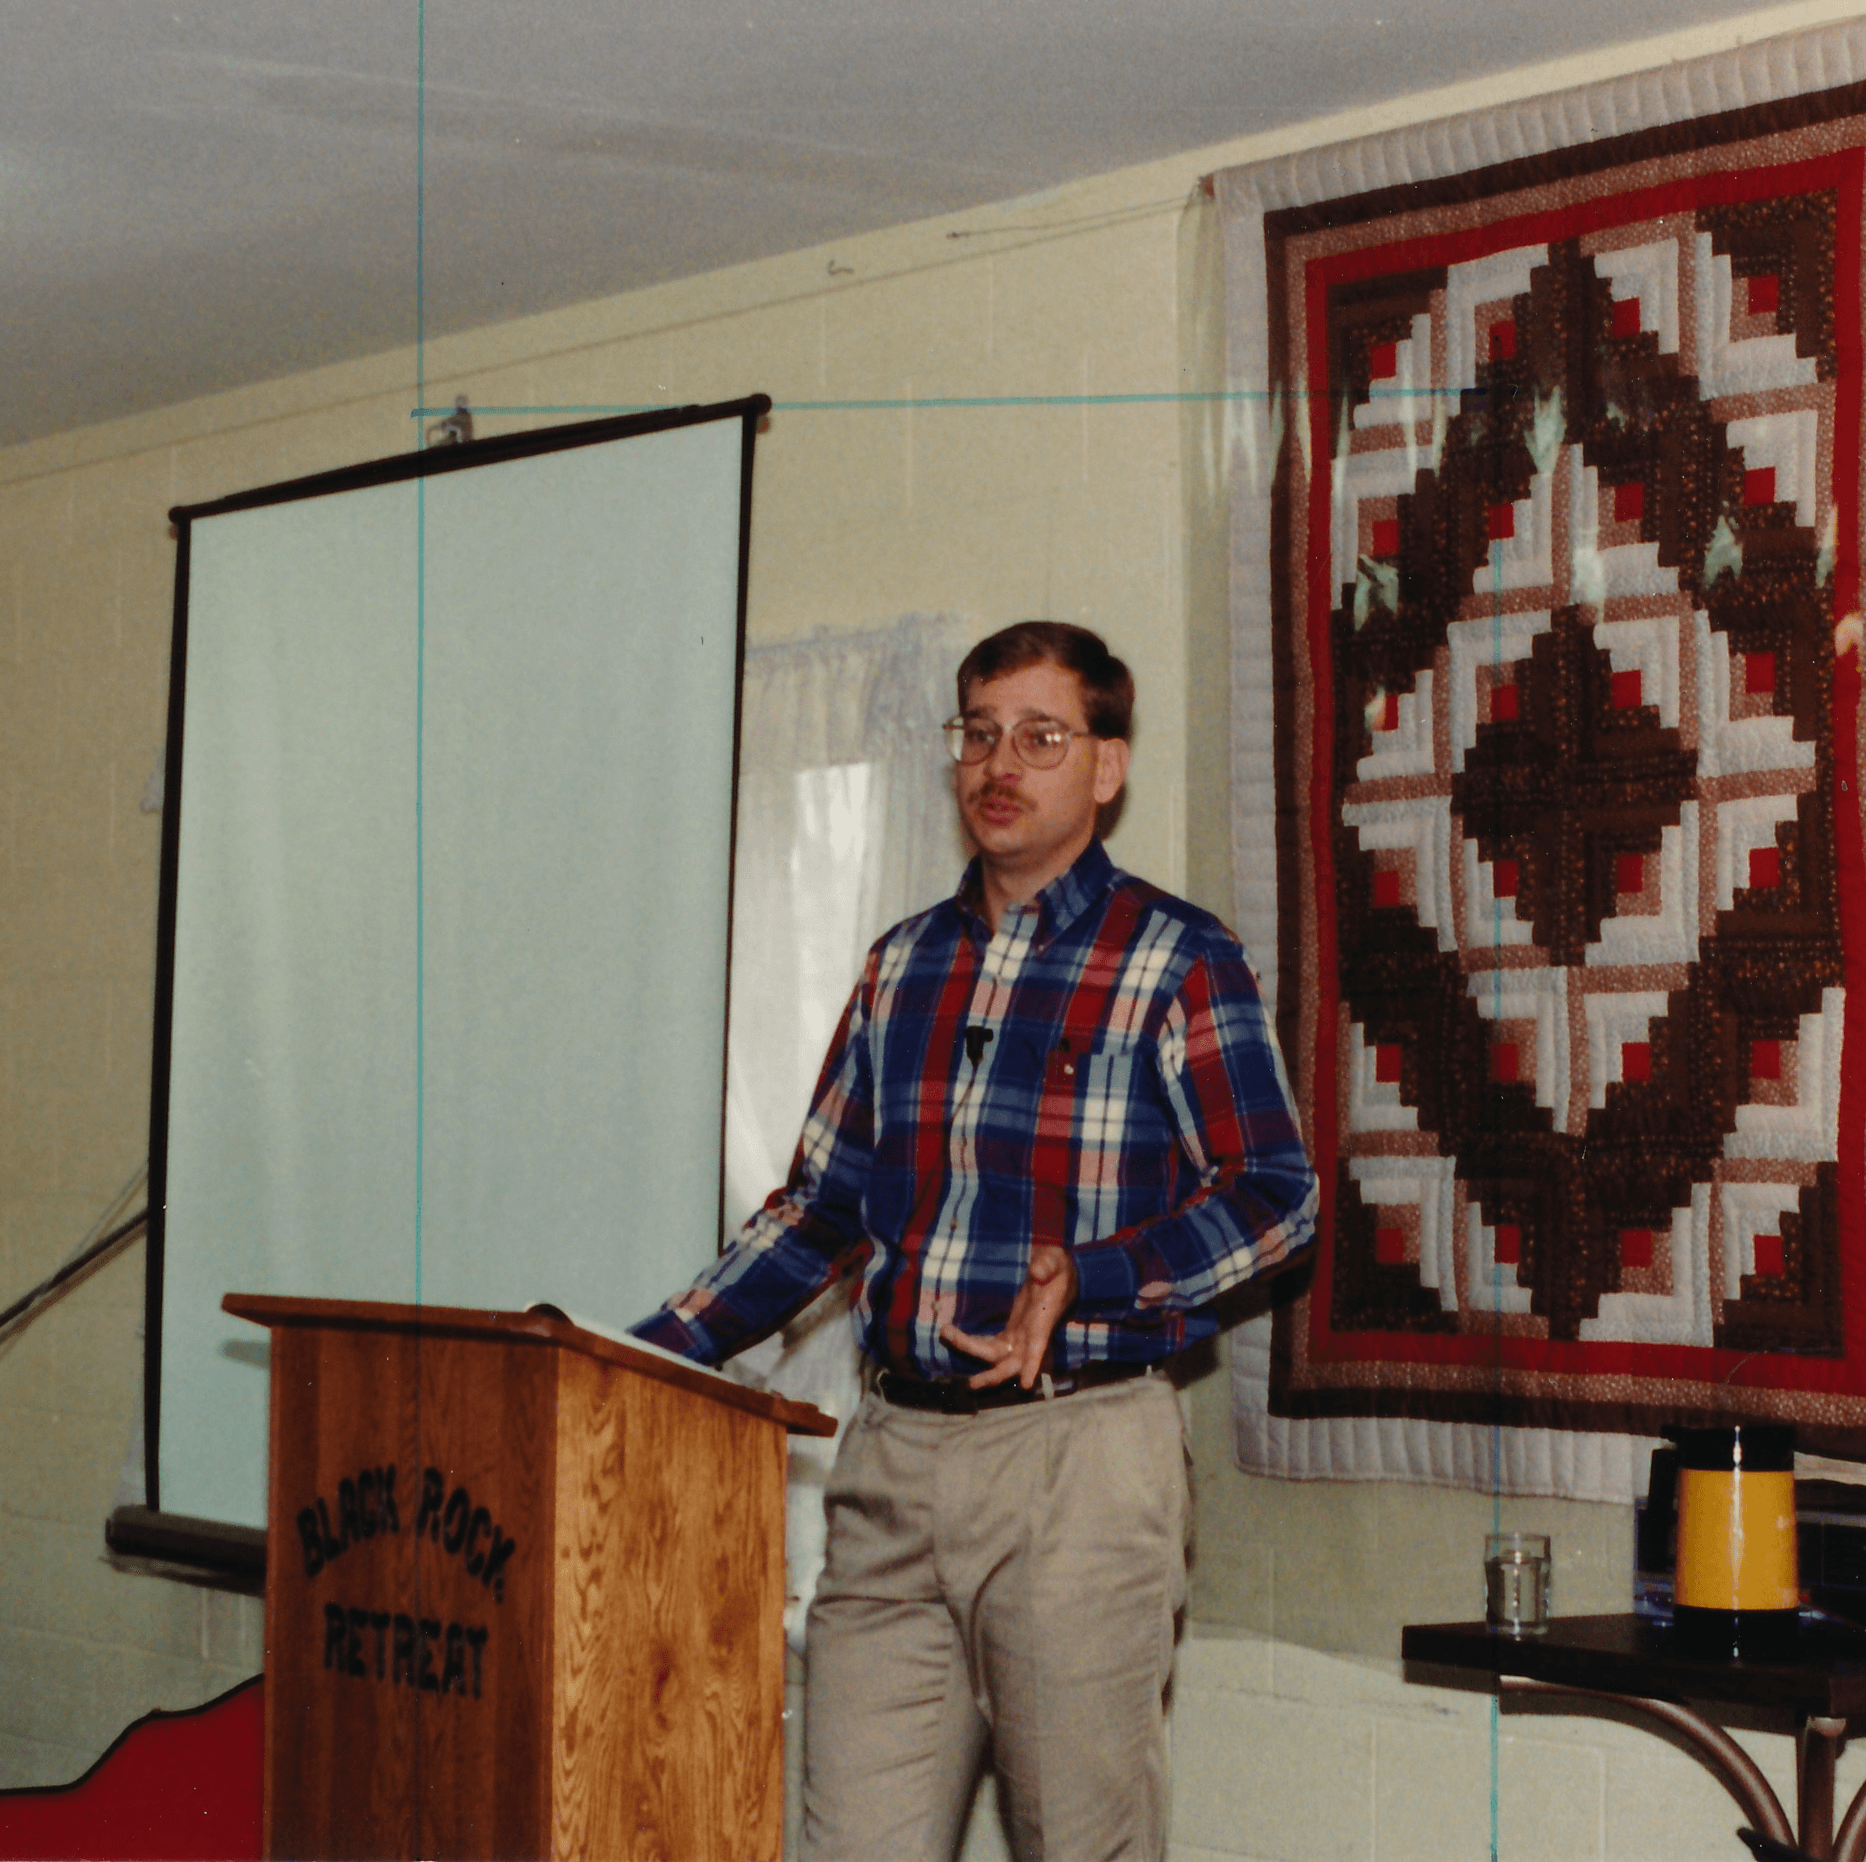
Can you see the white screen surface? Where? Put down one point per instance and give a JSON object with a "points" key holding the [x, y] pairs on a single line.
{"points": [[450, 908]]}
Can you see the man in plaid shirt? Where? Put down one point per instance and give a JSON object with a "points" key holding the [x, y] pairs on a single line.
{"points": [[1054, 1127]]}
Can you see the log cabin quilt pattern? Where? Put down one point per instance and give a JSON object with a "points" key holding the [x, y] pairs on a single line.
{"points": [[1564, 577]]}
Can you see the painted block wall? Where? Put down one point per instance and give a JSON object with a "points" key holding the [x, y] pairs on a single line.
{"points": [[1048, 502], [1280, 1753], [1284, 1754], [861, 513]]}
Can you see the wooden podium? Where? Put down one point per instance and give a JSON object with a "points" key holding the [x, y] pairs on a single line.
{"points": [[524, 1591]]}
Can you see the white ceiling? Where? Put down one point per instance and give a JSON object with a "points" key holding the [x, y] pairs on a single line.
{"points": [[199, 193]]}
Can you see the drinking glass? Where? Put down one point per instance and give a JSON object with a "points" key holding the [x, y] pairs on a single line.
{"points": [[1516, 1582]]}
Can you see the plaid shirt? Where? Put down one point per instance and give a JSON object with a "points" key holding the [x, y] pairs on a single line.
{"points": [[1130, 1104]]}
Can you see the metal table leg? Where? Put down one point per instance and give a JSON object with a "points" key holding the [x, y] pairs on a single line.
{"points": [[1741, 1775], [1850, 1842], [1817, 1747]]}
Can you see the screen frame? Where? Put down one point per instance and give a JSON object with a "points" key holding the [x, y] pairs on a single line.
{"points": [[207, 1549]]}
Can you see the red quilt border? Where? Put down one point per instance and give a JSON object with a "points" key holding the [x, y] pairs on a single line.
{"points": [[1843, 170]]}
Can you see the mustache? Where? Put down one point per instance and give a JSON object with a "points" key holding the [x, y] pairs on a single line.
{"points": [[996, 792]]}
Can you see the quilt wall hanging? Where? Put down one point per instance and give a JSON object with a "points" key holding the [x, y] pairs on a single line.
{"points": [[1562, 542]]}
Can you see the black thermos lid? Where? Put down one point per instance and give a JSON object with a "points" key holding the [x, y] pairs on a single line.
{"points": [[1755, 1447]]}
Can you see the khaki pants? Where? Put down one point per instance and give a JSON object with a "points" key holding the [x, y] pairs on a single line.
{"points": [[1011, 1577]]}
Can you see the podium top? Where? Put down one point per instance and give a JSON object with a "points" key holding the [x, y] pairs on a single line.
{"points": [[539, 1328]]}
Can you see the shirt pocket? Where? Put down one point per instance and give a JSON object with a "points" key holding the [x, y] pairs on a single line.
{"points": [[1087, 1115], [1094, 1076]]}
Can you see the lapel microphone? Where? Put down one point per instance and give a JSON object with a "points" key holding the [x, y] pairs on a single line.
{"points": [[976, 1041]]}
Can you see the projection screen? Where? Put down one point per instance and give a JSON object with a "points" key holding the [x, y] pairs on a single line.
{"points": [[441, 991]]}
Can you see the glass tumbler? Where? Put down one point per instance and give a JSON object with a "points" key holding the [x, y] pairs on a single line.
{"points": [[1516, 1582]]}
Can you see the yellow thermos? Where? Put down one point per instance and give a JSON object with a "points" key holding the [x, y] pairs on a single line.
{"points": [[1737, 1590]]}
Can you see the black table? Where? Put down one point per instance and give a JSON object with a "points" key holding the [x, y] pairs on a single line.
{"points": [[1636, 1663]]}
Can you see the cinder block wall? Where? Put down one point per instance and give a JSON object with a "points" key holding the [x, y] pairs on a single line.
{"points": [[1282, 1752], [85, 564], [859, 515], [1046, 504]]}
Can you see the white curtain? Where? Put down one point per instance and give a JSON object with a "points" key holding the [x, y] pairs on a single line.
{"points": [[845, 826]]}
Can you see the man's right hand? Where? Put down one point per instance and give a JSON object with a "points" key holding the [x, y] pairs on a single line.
{"points": [[1019, 1351]]}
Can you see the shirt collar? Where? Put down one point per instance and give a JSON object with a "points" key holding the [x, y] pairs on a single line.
{"points": [[1065, 899]]}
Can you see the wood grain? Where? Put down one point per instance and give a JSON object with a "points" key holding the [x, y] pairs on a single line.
{"points": [[669, 1686], [617, 1693], [336, 1752], [413, 1756], [542, 1328]]}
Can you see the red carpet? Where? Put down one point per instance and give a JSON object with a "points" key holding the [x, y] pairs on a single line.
{"points": [[175, 1787]]}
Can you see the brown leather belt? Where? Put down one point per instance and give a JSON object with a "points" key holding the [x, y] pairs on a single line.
{"points": [[953, 1396]]}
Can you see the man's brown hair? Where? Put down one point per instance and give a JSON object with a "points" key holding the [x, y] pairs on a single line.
{"points": [[1107, 685]]}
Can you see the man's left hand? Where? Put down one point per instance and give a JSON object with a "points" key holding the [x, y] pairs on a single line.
{"points": [[1049, 1290]]}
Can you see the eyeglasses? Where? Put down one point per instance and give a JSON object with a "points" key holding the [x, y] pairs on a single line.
{"points": [[1041, 743]]}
